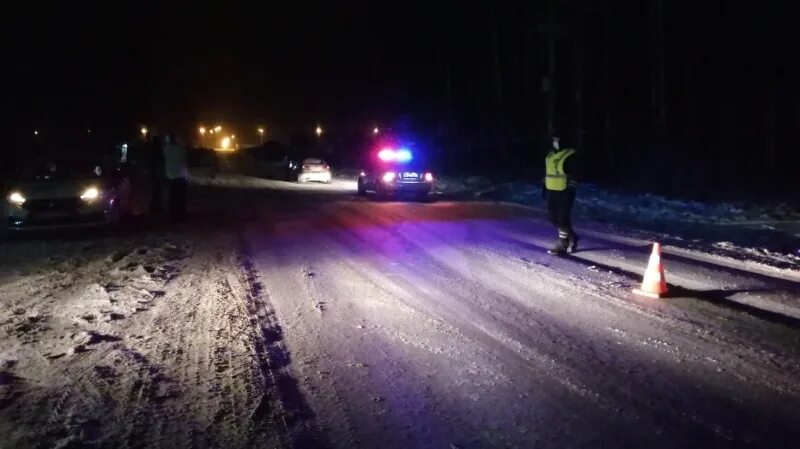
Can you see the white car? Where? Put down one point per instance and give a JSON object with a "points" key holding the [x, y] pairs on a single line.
{"points": [[314, 170]]}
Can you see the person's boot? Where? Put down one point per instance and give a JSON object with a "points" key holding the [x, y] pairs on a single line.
{"points": [[560, 247], [573, 243]]}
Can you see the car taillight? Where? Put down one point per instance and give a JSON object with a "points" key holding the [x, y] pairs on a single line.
{"points": [[388, 177], [327, 167], [429, 177]]}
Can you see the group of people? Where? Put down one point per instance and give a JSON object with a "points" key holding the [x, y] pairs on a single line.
{"points": [[167, 165], [167, 162]]}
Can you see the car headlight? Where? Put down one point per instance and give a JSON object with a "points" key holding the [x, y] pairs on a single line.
{"points": [[388, 177], [16, 198], [90, 194]]}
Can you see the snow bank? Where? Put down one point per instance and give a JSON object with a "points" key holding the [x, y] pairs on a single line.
{"points": [[766, 233], [646, 206]]}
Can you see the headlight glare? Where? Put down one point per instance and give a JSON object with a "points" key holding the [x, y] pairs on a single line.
{"points": [[90, 194], [16, 198]]}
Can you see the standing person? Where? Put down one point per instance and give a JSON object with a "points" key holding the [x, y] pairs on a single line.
{"points": [[155, 172], [176, 173], [560, 185]]}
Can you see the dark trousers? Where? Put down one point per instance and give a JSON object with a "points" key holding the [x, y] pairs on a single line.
{"points": [[177, 198], [156, 195], [559, 204]]}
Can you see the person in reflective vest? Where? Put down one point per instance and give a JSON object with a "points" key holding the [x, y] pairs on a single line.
{"points": [[560, 185]]}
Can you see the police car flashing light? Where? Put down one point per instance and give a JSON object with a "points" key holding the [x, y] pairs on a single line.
{"points": [[401, 155]]}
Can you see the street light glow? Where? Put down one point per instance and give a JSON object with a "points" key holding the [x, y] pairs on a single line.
{"points": [[318, 130], [261, 130], [376, 131], [143, 131], [202, 130], [226, 143], [35, 132], [217, 128]]}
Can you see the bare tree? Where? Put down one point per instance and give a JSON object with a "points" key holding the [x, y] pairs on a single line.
{"points": [[607, 96], [769, 79], [577, 48], [728, 90], [689, 106], [658, 85], [549, 86], [497, 78]]}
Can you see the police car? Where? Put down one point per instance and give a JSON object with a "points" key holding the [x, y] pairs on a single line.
{"points": [[394, 171]]}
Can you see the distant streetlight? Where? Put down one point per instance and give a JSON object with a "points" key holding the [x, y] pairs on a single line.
{"points": [[217, 128], [211, 131], [202, 131], [233, 136], [261, 135], [143, 131], [375, 131], [225, 143], [318, 131], [35, 132], [88, 131]]}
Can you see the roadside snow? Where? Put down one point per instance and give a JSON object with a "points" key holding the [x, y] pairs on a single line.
{"points": [[132, 341], [767, 235]]}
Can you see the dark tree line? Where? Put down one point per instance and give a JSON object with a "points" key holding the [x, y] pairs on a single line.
{"points": [[691, 97]]}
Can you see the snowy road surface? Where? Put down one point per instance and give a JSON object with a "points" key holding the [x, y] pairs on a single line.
{"points": [[287, 315]]}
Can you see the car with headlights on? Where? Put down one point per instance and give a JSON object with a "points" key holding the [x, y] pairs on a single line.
{"points": [[395, 172], [314, 170], [65, 192]]}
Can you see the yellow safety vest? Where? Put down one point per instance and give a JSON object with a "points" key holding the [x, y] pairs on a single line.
{"points": [[555, 178]]}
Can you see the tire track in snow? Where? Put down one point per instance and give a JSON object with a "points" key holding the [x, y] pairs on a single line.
{"points": [[281, 403]]}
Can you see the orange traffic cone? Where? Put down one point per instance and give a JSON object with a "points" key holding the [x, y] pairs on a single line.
{"points": [[654, 284]]}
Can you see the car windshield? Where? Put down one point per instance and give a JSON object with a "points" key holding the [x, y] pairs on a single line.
{"points": [[63, 170]]}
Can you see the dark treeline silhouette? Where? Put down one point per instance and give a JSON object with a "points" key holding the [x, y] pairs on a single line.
{"points": [[694, 98], [689, 97]]}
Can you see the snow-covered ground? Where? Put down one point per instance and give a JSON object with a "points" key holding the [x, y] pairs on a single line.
{"points": [[141, 341], [754, 234], [285, 315]]}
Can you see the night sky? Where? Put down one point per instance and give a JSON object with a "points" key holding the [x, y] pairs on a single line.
{"points": [[466, 74], [283, 66]]}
